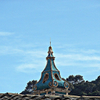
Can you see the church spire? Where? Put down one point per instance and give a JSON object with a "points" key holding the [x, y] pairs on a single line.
{"points": [[50, 53], [50, 78]]}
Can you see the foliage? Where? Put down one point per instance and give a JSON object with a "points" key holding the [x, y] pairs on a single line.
{"points": [[82, 87], [28, 89], [75, 79], [77, 86]]}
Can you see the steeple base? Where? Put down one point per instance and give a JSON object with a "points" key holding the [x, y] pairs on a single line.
{"points": [[52, 91]]}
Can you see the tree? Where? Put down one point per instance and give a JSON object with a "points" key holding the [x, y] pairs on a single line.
{"points": [[75, 79], [79, 79], [29, 87], [96, 93]]}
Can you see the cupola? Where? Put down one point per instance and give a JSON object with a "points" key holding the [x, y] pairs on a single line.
{"points": [[51, 81]]}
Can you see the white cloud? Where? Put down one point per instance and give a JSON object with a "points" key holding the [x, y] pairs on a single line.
{"points": [[5, 50], [28, 68], [5, 33], [79, 57], [78, 64], [34, 59], [89, 51], [78, 60]]}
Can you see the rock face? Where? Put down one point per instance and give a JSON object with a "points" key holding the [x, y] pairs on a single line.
{"points": [[29, 87]]}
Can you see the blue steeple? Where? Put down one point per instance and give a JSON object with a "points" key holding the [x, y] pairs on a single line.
{"points": [[50, 61], [50, 76]]}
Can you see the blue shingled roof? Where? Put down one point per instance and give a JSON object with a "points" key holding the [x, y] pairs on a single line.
{"points": [[53, 74]]}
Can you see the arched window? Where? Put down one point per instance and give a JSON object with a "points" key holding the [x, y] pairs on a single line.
{"points": [[56, 76], [46, 76]]}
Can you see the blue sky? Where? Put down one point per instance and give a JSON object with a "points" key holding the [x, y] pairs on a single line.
{"points": [[26, 27]]}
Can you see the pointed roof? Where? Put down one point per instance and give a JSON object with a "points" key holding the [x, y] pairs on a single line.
{"points": [[50, 76], [50, 61]]}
